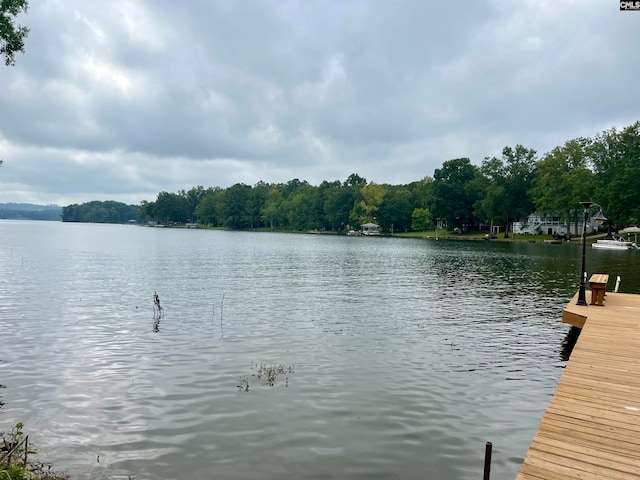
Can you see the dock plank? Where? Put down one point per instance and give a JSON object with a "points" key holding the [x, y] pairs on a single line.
{"points": [[591, 428]]}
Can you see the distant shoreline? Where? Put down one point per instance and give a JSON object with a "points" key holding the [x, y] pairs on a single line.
{"points": [[430, 235]]}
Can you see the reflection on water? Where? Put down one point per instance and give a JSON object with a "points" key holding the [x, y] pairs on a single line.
{"points": [[569, 342], [409, 355]]}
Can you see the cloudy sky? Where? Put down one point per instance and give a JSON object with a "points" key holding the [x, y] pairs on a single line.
{"points": [[122, 99]]}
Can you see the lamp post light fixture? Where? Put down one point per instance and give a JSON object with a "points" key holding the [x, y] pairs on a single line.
{"points": [[599, 219]]}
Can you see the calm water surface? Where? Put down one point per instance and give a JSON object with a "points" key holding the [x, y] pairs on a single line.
{"points": [[406, 356]]}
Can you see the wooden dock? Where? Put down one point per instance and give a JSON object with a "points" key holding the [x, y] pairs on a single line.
{"points": [[591, 429]]}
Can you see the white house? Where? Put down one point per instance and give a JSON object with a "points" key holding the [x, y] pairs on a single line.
{"points": [[550, 224]]}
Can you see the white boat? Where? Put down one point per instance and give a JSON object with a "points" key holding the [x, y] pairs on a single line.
{"points": [[617, 243]]}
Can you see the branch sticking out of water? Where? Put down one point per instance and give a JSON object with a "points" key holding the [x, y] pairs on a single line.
{"points": [[158, 311], [221, 307]]}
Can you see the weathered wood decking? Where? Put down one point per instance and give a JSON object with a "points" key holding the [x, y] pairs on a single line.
{"points": [[591, 429]]}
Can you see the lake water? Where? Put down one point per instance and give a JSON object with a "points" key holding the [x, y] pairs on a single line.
{"points": [[390, 358]]}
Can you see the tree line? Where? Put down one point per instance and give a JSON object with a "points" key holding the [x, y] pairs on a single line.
{"points": [[100, 212], [27, 211], [605, 169]]}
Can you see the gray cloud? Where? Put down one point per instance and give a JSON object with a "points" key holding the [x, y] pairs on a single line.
{"points": [[121, 100]]}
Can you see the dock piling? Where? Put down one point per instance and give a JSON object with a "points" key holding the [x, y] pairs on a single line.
{"points": [[487, 460]]}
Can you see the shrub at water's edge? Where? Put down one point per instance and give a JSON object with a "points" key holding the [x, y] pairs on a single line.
{"points": [[15, 463]]}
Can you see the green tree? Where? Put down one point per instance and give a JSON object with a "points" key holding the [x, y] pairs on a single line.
{"points": [[234, 210], [99, 212], [395, 210], [171, 208], [453, 196], [292, 186], [421, 219], [508, 195], [294, 209], [366, 206], [422, 191], [255, 204], [193, 197], [271, 213], [208, 209], [12, 35], [562, 180], [338, 202], [615, 156], [304, 208], [96, 213], [145, 211], [355, 180]]}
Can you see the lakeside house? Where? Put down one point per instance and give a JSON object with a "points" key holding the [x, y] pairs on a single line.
{"points": [[551, 224]]}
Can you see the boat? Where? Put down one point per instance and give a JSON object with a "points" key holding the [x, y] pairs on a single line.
{"points": [[617, 242]]}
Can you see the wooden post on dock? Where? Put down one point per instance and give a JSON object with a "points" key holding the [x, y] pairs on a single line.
{"points": [[487, 460]]}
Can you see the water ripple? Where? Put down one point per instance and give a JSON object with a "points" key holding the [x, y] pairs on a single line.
{"points": [[405, 356]]}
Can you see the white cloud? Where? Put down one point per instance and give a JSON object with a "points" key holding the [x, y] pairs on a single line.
{"points": [[123, 99]]}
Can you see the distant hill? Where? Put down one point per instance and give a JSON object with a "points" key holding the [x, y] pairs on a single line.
{"points": [[29, 211]]}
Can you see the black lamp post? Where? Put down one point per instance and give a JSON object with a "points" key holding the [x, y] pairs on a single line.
{"points": [[600, 218]]}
